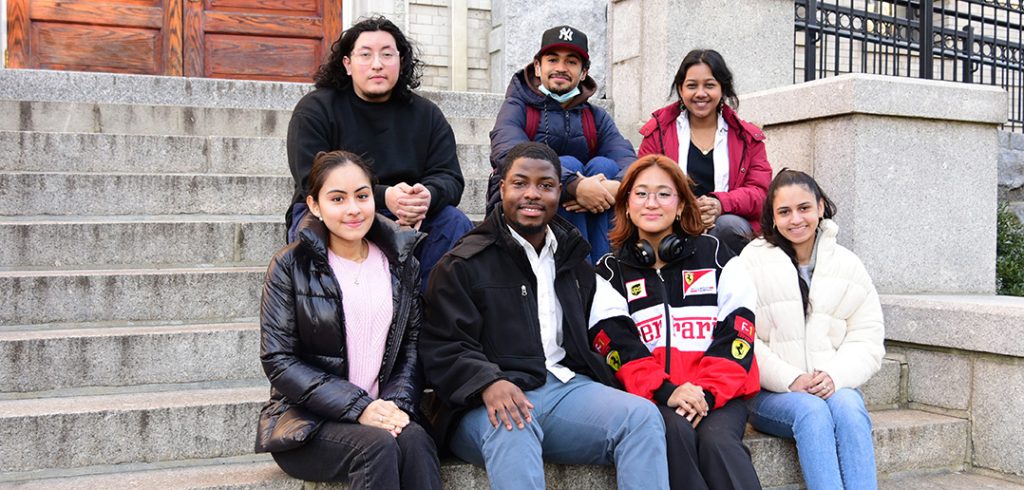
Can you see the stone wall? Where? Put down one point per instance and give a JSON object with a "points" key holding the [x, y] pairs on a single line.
{"points": [[1011, 171]]}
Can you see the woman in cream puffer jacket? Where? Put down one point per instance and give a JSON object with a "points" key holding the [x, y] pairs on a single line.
{"points": [[819, 335]]}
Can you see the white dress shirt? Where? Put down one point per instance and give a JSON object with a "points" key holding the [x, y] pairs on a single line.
{"points": [[549, 310], [721, 155]]}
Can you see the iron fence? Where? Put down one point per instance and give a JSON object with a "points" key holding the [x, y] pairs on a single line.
{"points": [[971, 41]]}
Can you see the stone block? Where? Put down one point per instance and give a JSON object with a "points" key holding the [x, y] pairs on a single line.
{"points": [[939, 379], [909, 440], [626, 25], [789, 146], [1011, 168], [135, 241], [891, 140], [971, 323], [997, 431], [200, 294], [51, 359], [628, 86]]}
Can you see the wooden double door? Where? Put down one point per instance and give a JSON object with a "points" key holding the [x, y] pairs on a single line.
{"points": [[247, 39]]}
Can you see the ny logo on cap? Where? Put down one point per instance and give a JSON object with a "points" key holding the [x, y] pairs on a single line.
{"points": [[565, 34]]}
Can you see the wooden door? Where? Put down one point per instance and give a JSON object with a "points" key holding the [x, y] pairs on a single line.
{"points": [[259, 39], [248, 39]]}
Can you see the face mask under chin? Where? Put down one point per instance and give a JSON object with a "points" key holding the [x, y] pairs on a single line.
{"points": [[563, 98]]}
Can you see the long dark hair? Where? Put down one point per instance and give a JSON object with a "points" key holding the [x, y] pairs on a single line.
{"points": [[624, 233], [719, 70], [332, 73], [787, 177]]}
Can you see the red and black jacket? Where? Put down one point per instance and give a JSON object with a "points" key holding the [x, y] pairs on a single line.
{"points": [[712, 309]]}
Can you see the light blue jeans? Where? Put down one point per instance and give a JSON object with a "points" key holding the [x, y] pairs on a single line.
{"points": [[579, 422], [833, 437]]}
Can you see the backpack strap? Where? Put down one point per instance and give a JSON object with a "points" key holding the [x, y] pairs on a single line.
{"points": [[589, 130], [532, 121]]}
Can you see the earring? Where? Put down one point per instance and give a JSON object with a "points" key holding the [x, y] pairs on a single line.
{"points": [[679, 217], [321, 218]]}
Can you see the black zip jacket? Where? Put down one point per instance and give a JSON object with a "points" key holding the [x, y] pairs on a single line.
{"points": [[302, 337], [481, 323]]}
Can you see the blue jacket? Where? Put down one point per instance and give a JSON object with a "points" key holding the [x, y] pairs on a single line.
{"points": [[560, 128]]}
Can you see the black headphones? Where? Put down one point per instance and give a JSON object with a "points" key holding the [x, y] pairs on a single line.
{"points": [[670, 249]]}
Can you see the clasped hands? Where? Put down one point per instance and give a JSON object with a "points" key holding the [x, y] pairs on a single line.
{"points": [[384, 414], [818, 383], [688, 400], [409, 203], [595, 194]]}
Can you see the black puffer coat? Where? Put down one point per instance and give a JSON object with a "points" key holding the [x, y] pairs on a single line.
{"points": [[302, 337]]}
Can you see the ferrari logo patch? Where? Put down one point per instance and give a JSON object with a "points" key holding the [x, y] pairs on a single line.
{"points": [[740, 348], [613, 360], [700, 281]]}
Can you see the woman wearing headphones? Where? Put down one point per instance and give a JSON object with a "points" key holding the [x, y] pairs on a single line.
{"points": [[689, 346]]}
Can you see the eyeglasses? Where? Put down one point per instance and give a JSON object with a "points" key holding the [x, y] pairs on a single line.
{"points": [[661, 197], [366, 57]]}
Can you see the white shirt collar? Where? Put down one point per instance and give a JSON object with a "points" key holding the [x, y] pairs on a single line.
{"points": [[550, 243]]}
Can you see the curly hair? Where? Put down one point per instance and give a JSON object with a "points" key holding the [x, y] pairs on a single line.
{"points": [[624, 233], [332, 72]]}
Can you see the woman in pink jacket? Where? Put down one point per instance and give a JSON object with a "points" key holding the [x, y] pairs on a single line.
{"points": [[723, 154]]}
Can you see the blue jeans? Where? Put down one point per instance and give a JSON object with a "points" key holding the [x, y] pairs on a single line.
{"points": [[833, 437], [593, 227], [443, 229], [579, 422]]}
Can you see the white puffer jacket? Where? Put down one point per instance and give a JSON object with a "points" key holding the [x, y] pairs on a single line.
{"points": [[844, 332]]}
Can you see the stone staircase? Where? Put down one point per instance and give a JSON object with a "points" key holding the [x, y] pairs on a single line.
{"points": [[137, 215]]}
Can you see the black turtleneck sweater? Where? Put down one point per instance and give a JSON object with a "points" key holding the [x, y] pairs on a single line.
{"points": [[404, 140]]}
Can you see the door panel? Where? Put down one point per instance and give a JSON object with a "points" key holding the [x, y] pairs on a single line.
{"points": [[229, 56], [120, 36], [250, 39], [259, 39], [61, 46]]}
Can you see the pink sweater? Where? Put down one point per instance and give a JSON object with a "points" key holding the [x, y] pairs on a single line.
{"points": [[368, 310]]}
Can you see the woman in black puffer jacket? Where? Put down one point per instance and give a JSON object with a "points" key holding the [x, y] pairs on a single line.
{"points": [[339, 322]]}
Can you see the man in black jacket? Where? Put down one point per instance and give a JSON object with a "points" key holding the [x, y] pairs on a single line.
{"points": [[505, 345], [364, 104]]}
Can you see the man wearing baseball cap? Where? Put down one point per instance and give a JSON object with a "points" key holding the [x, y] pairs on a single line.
{"points": [[547, 102]]}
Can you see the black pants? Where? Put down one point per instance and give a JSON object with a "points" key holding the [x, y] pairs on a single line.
{"points": [[366, 457], [712, 456]]}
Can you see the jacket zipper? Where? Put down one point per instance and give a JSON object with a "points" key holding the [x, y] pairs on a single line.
{"points": [[668, 324], [399, 328]]}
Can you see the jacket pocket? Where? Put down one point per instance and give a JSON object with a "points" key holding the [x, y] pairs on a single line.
{"points": [[510, 322]]}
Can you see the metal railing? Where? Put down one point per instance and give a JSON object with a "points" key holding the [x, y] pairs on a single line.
{"points": [[971, 41]]}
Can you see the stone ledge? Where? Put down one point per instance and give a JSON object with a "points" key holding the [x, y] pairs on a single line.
{"points": [[980, 323], [878, 95]]}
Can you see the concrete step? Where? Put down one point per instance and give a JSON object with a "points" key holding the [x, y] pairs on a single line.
{"points": [[47, 359], [949, 481], [214, 294], [88, 430], [106, 241], [36, 151], [177, 120], [71, 194], [906, 441], [109, 88]]}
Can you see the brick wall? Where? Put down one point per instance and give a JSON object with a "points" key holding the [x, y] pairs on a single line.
{"points": [[430, 26]]}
